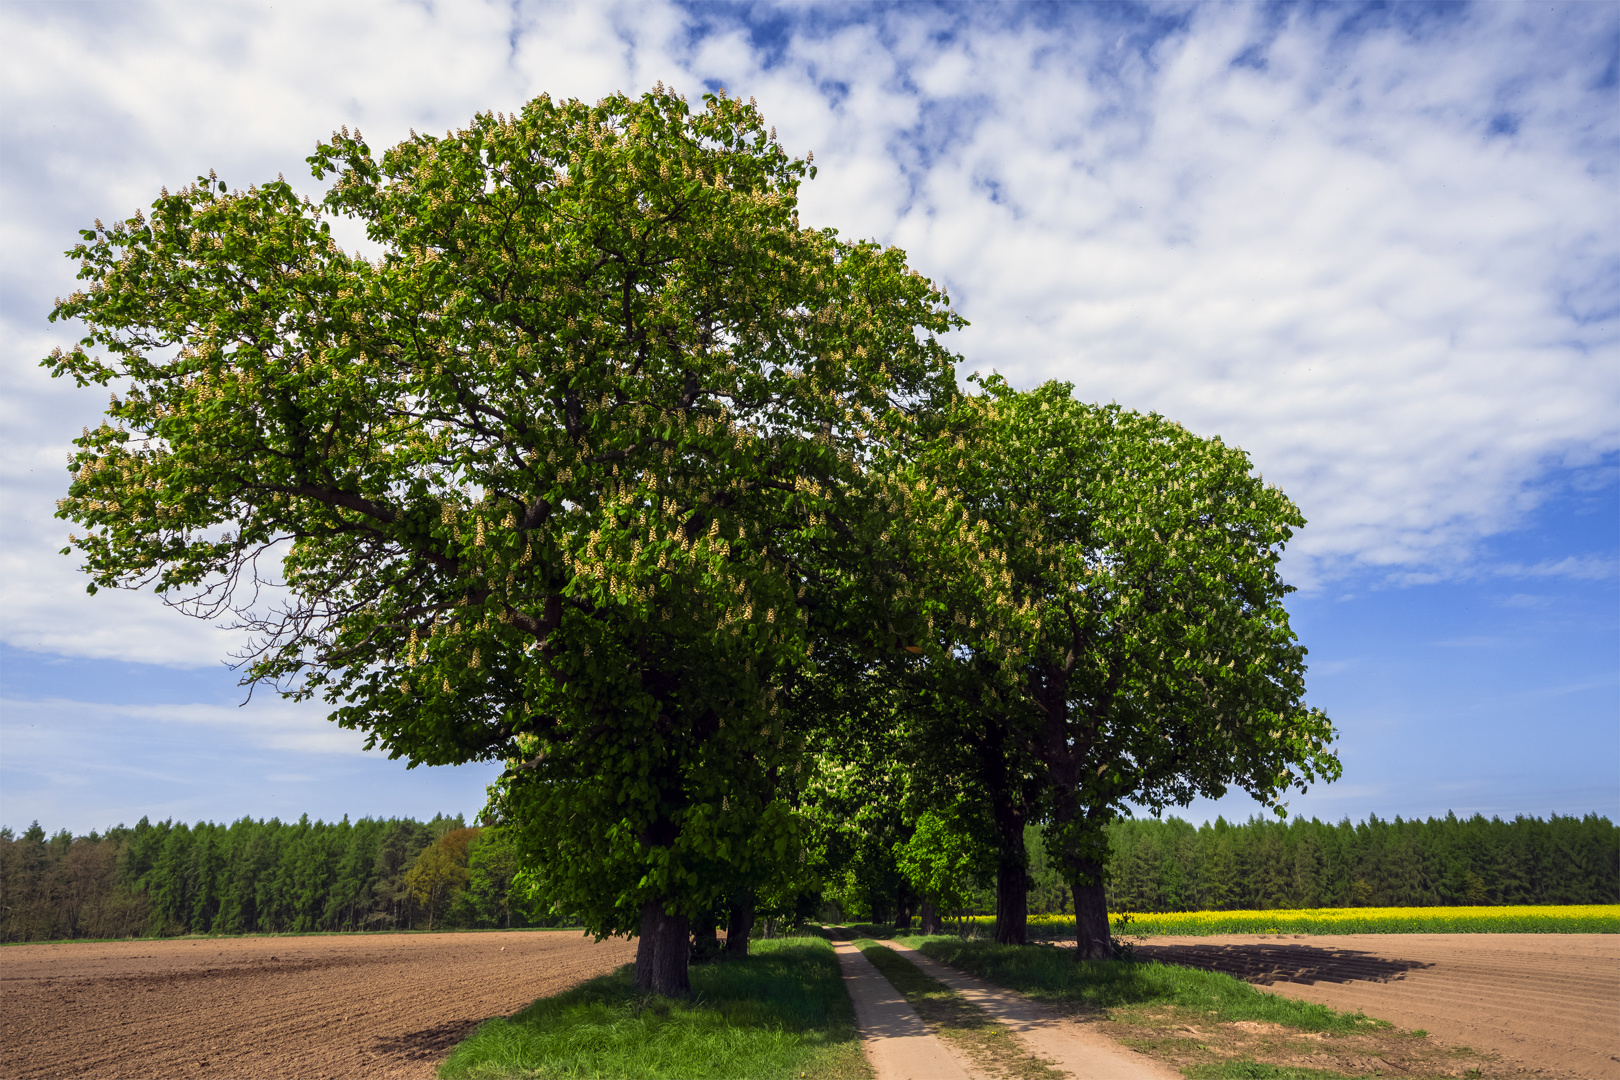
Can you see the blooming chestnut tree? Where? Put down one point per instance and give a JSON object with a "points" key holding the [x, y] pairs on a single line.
{"points": [[1103, 595], [572, 474]]}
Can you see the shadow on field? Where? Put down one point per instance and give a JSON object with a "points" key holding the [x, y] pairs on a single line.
{"points": [[433, 1042], [1266, 964]]}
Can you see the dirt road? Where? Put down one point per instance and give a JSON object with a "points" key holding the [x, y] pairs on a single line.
{"points": [[336, 1006], [1547, 1003]]}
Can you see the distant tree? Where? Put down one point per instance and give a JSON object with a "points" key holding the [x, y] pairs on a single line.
{"points": [[492, 869], [441, 872], [1048, 891], [857, 809], [945, 859]]}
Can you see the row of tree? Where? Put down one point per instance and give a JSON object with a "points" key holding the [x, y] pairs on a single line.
{"points": [[1171, 865], [607, 468], [259, 877], [266, 876]]}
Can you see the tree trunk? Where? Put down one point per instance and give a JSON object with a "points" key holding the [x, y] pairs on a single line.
{"points": [[1009, 811], [1080, 829], [740, 924], [1092, 939], [1012, 870], [902, 907], [662, 954], [929, 917], [1012, 902]]}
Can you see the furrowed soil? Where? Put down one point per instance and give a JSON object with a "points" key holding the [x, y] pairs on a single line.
{"points": [[386, 1005], [1545, 1004]]}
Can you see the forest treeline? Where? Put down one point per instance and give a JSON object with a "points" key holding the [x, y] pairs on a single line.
{"points": [[258, 877], [268, 876], [1261, 864], [1173, 866]]}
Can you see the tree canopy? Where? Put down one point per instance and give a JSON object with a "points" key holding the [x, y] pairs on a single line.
{"points": [[1110, 579], [607, 468], [568, 476]]}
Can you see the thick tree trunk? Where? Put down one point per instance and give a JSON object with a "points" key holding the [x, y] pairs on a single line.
{"points": [[739, 925], [1012, 902], [1012, 870], [663, 953], [1064, 752], [902, 907], [1009, 811], [929, 917], [1092, 939]]}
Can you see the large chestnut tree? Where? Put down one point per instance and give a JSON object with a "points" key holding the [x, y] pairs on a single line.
{"points": [[570, 474]]}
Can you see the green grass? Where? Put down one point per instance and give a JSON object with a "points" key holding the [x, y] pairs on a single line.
{"points": [[1052, 975], [782, 1012]]}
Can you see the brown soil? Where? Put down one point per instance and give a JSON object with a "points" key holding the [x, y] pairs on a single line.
{"points": [[389, 1005], [1187, 1039], [1537, 1003]]}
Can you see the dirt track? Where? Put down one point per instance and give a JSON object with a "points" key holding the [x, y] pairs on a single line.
{"points": [[1548, 1003], [336, 1006]]}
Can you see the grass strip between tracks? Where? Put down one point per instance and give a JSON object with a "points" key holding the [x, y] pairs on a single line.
{"points": [[1208, 1024], [950, 1016], [782, 1012]]}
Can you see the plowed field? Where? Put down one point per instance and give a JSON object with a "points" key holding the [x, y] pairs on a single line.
{"points": [[1547, 1003], [364, 1006]]}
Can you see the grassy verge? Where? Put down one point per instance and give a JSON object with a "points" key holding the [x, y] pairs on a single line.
{"points": [[782, 1012], [952, 1017], [1208, 1024]]}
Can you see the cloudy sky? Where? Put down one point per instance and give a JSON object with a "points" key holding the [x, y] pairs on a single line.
{"points": [[1377, 247]]}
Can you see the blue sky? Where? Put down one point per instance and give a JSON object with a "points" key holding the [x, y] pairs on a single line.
{"points": [[1375, 245]]}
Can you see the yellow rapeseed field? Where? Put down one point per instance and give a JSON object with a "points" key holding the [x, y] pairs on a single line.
{"points": [[1567, 919]]}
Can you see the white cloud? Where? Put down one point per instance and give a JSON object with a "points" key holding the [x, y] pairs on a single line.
{"points": [[269, 726], [84, 765], [1330, 261], [1582, 568], [1381, 257]]}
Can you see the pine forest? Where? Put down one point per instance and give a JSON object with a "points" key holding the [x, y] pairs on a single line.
{"points": [[258, 877], [399, 874]]}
